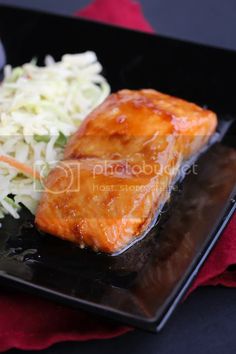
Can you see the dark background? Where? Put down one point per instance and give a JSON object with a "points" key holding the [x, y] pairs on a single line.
{"points": [[205, 322], [205, 21]]}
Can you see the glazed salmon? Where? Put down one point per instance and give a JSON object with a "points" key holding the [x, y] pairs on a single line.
{"points": [[119, 166]]}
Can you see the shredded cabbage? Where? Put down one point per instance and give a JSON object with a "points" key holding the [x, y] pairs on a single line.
{"points": [[39, 108]]}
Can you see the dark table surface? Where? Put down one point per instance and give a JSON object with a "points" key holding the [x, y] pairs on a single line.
{"points": [[205, 322]]}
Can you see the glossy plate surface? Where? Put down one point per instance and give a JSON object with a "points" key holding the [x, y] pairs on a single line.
{"points": [[143, 285]]}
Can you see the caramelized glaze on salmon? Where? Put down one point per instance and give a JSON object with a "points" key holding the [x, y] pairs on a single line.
{"points": [[119, 166]]}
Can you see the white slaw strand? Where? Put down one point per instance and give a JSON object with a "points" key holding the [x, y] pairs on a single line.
{"points": [[39, 108]]}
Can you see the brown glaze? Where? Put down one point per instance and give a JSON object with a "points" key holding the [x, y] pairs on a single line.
{"points": [[118, 167]]}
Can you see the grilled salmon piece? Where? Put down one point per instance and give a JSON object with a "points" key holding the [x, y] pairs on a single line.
{"points": [[135, 124], [119, 167]]}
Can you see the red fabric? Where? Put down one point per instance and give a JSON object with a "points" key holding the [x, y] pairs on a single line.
{"points": [[28, 322], [125, 13], [214, 271]]}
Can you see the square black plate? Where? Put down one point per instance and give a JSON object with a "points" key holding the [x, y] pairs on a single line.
{"points": [[143, 285]]}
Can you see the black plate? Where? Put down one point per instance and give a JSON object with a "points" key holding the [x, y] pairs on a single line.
{"points": [[142, 286]]}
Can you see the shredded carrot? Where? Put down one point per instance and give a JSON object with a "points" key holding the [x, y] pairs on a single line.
{"points": [[20, 166]]}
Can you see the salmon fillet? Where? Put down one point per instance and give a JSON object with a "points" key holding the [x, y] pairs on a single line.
{"points": [[119, 166]]}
